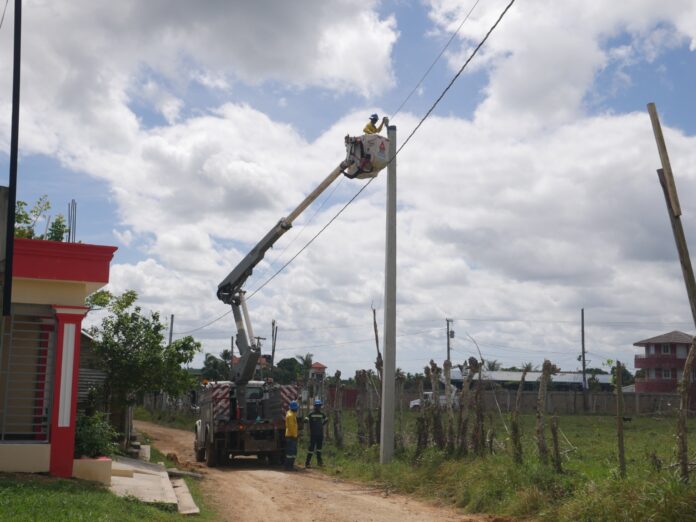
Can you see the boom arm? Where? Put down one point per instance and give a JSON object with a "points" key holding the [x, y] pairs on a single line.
{"points": [[230, 287], [230, 290]]}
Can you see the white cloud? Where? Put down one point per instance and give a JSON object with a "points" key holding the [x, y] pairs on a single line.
{"points": [[543, 59], [496, 217]]}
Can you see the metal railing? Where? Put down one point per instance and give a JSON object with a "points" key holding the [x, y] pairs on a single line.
{"points": [[27, 351]]}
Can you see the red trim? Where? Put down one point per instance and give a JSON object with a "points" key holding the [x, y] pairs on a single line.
{"points": [[37, 259], [63, 438]]}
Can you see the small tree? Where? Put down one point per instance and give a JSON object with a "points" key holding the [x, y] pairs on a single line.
{"points": [[132, 352], [57, 229], [26, 219]]}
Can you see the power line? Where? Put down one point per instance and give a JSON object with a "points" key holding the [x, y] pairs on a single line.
{"points": [[355, 196], [415, 129], [3, 13], [304, 225], [355, 341], [205, 325], [437, 58]]}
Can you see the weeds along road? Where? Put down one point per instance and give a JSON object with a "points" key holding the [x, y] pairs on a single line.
{"points": [[248, 491]]}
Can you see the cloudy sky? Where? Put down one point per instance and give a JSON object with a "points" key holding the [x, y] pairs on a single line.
{"points": [[185, 130]]}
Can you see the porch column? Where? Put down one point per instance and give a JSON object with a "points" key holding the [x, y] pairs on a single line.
{"points": [[67, 367]]}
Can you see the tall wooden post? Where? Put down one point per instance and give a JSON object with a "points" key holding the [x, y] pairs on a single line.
{"points": [[619, 420], [669, 189]]}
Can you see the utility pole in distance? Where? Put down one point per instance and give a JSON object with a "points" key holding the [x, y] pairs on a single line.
{"points": [[585, 404], [450, 335], [171, 328], [386, 447], [274, 336]]}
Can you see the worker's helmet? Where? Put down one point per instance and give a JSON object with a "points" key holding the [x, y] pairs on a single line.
{"points": [[294, 406], [374, 118], [317, 402]]}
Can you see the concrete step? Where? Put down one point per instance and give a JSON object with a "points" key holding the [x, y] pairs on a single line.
{"points": [[186, 505]]}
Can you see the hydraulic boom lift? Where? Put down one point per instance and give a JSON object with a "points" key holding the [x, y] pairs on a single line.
{"points": [[243, 416]]}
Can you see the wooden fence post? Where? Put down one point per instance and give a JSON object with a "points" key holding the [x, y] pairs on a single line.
{"points": [[619, 421]]}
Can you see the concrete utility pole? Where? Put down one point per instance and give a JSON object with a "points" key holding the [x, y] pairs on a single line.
{"points": [[585, 402], [386, 448], [450, 334], [274, 336]]}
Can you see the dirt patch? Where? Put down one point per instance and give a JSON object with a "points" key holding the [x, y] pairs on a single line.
{"points": [[248, 491]]}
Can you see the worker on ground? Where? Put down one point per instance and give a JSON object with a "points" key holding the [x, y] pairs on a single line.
{"points": [[371, 127], [291, 436], [316, 420]]}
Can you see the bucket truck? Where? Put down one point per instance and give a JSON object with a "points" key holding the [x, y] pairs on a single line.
{"points": [[244, 416]]}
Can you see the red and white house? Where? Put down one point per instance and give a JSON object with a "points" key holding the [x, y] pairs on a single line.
{"points": [[40, 352], [662, 360], [317, 371]]}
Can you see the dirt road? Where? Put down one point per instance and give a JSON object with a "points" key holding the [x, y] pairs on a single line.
{"points": [[247, 491]]}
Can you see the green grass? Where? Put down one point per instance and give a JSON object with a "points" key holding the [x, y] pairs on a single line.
{"points": [[27, 497], [180, 421], [587, 490]]}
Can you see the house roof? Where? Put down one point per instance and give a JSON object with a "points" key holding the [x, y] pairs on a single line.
{"points": [[671, 337], [318, 366]]}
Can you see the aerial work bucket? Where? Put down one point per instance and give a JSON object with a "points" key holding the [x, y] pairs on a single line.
{"points": [[366, 155]]}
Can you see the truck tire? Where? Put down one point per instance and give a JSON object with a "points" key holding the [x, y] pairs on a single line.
{"points": [[210, 455], [200, 453]]}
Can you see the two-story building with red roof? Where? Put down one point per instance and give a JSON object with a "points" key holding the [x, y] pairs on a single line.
{"points": [[662, 361]]}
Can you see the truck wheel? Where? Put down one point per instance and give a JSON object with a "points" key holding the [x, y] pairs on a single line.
{"points": [[210, 455], [200, 453]]}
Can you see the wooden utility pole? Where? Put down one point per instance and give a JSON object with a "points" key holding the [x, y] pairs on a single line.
{"points": [[14, 150], [619, 419], [171, 328], [585, 402], [669, 190], [449, 336]]}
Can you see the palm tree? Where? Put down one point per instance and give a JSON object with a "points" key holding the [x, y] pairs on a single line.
{"points": [[306, 363], [492, 366]]}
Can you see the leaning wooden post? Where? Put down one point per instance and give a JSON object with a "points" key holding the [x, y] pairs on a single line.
{"points": [[669, 189], [619, 421]]}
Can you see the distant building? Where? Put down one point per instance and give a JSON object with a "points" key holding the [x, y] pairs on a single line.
{"points": [[562, 381], [317, 372], [662, 361]]}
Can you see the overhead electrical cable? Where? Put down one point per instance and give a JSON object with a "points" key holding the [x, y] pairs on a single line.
{"points": [[413, 132], [3, 13], [360, 191], [437, 59]]}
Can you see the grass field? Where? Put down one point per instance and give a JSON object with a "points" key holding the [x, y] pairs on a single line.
{"points": [[27, 497], [589, 488]]}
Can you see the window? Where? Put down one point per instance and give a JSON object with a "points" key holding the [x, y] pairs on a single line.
{"points": [[666, 349], [666, 373]]}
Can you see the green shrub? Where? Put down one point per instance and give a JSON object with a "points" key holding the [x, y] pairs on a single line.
{"points": [[94, 436]]}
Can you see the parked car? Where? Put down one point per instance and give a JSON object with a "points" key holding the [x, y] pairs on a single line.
{"points": [[428, 396]]}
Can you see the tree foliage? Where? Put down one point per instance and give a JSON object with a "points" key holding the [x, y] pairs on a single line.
{"points": [[217, 368], [26, 220], [287, 371], [131, 349]]}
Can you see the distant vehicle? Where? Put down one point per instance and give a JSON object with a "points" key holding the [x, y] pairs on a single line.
{"points": [[428, 396]]}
